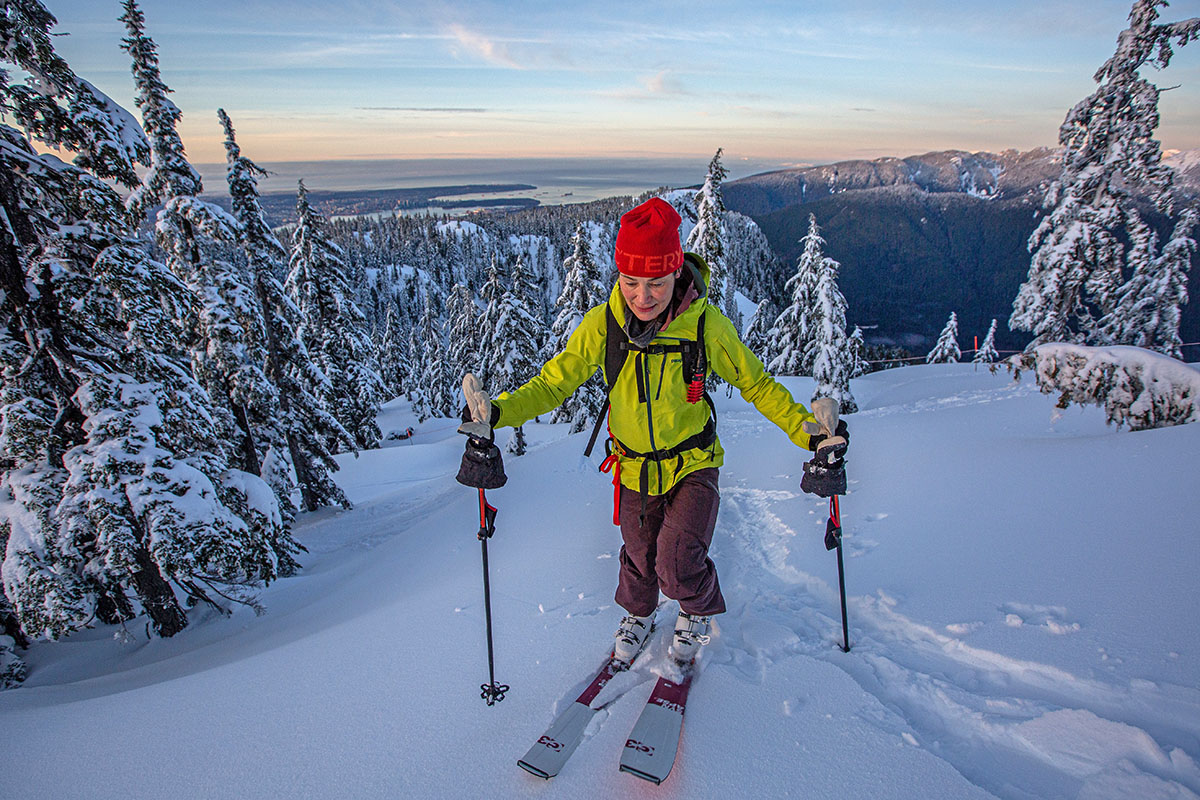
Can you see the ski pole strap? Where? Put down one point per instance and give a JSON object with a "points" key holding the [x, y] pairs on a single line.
{"points": [[833, 526], [487, 518]]}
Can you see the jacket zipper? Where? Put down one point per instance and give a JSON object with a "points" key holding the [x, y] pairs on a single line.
{"points": [[650, 418]]}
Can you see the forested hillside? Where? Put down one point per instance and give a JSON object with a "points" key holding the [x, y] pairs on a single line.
{"points": [[922, 236]]}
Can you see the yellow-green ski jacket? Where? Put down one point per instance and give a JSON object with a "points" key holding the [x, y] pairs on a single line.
{"points": [[665, 419]]}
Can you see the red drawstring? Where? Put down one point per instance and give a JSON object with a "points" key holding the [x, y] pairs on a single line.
{"points": [[613, 462]]}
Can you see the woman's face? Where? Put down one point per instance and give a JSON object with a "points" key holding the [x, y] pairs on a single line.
{"points": [[647, 297]]}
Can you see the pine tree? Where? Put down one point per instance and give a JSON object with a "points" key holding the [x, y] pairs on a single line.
{"points": [[795, 327], [463, 354], [829, 348], [12, 668], [264, 255], [333, 328], [517, 343], [708, 237], [760, 334], [491, 345], [436, 380], [115, 497], [170, 173], [196, 235], [858, 354], [749, 256], [946, 350], [1150, 304], [1110, 158], [987, 354], [392, 355], [417, 393], [293, 437], [582, 290]]}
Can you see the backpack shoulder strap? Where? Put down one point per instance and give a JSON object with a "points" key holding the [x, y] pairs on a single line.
{"points": [[614, 354], [614, 362]]}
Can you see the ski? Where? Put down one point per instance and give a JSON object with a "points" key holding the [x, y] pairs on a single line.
{"points": [[556, 745], [652, 744]]}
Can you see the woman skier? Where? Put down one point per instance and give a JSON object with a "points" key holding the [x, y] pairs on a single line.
{"points": [[662, 444]]}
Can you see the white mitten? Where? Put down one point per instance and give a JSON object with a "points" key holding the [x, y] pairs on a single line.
{"points": [[480, 407], [829, 438]]}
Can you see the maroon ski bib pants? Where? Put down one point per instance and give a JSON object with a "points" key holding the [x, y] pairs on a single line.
{"points": [[669, 551]]}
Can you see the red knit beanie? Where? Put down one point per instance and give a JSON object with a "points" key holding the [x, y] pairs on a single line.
{"points": [[648, 240]]}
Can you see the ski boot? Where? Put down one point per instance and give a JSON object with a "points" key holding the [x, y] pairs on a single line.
{"points": [[691, 631], [631, 638]]}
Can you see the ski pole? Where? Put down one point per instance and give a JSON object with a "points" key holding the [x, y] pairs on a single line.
{"points": [[833, 539], [825, 409], [491, 692]]}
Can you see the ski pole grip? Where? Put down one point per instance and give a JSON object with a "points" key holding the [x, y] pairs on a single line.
{"points": [[825, 409]]}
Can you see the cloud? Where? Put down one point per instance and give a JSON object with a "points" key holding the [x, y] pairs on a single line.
{"points": [[652, 87], [425, 109], [488, 49]]}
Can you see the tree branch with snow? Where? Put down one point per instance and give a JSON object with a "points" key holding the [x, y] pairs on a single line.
{"points": [[1136, 387]]}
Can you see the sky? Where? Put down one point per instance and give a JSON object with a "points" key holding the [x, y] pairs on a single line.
{"points": [[786, 81]]}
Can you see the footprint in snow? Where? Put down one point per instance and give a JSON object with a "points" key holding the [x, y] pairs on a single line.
{"points": [[856, 546], [1052, 618], [963, 628]]}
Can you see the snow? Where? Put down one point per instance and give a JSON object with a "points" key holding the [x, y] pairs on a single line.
{"points": [[1135, 386], [1182, 160], [1022, 595]]}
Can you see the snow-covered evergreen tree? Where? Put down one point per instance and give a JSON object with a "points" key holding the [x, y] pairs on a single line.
{"points": [[517, 342], [829, 350], [858, 352], [946, 350], [582, 290], [1136, 387], [170, 174], [1110, 158], [707, 238], [269, 323], [417, 392], [392, 355], [436, 380], [1150, 304], [749, 256], [760, 333], [295, 438], [115, 497], [12, 667], [332, 327], [197, 237], [794, 325], [491, 345], [463, 354], [987, 353]]}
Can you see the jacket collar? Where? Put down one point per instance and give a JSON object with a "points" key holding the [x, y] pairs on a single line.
{"points": [[691, 295]]}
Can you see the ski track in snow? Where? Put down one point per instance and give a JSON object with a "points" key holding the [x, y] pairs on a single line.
{"points": [[967, 398], [1050, 732]]}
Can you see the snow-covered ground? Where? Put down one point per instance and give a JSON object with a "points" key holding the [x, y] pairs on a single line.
{"points": [[1023, 594]]}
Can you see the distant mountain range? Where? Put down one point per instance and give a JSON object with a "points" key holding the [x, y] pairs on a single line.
{"points": [[922, 236]]}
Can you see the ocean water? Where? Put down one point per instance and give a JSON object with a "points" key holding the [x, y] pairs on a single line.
{"points": [[558, 180]]}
